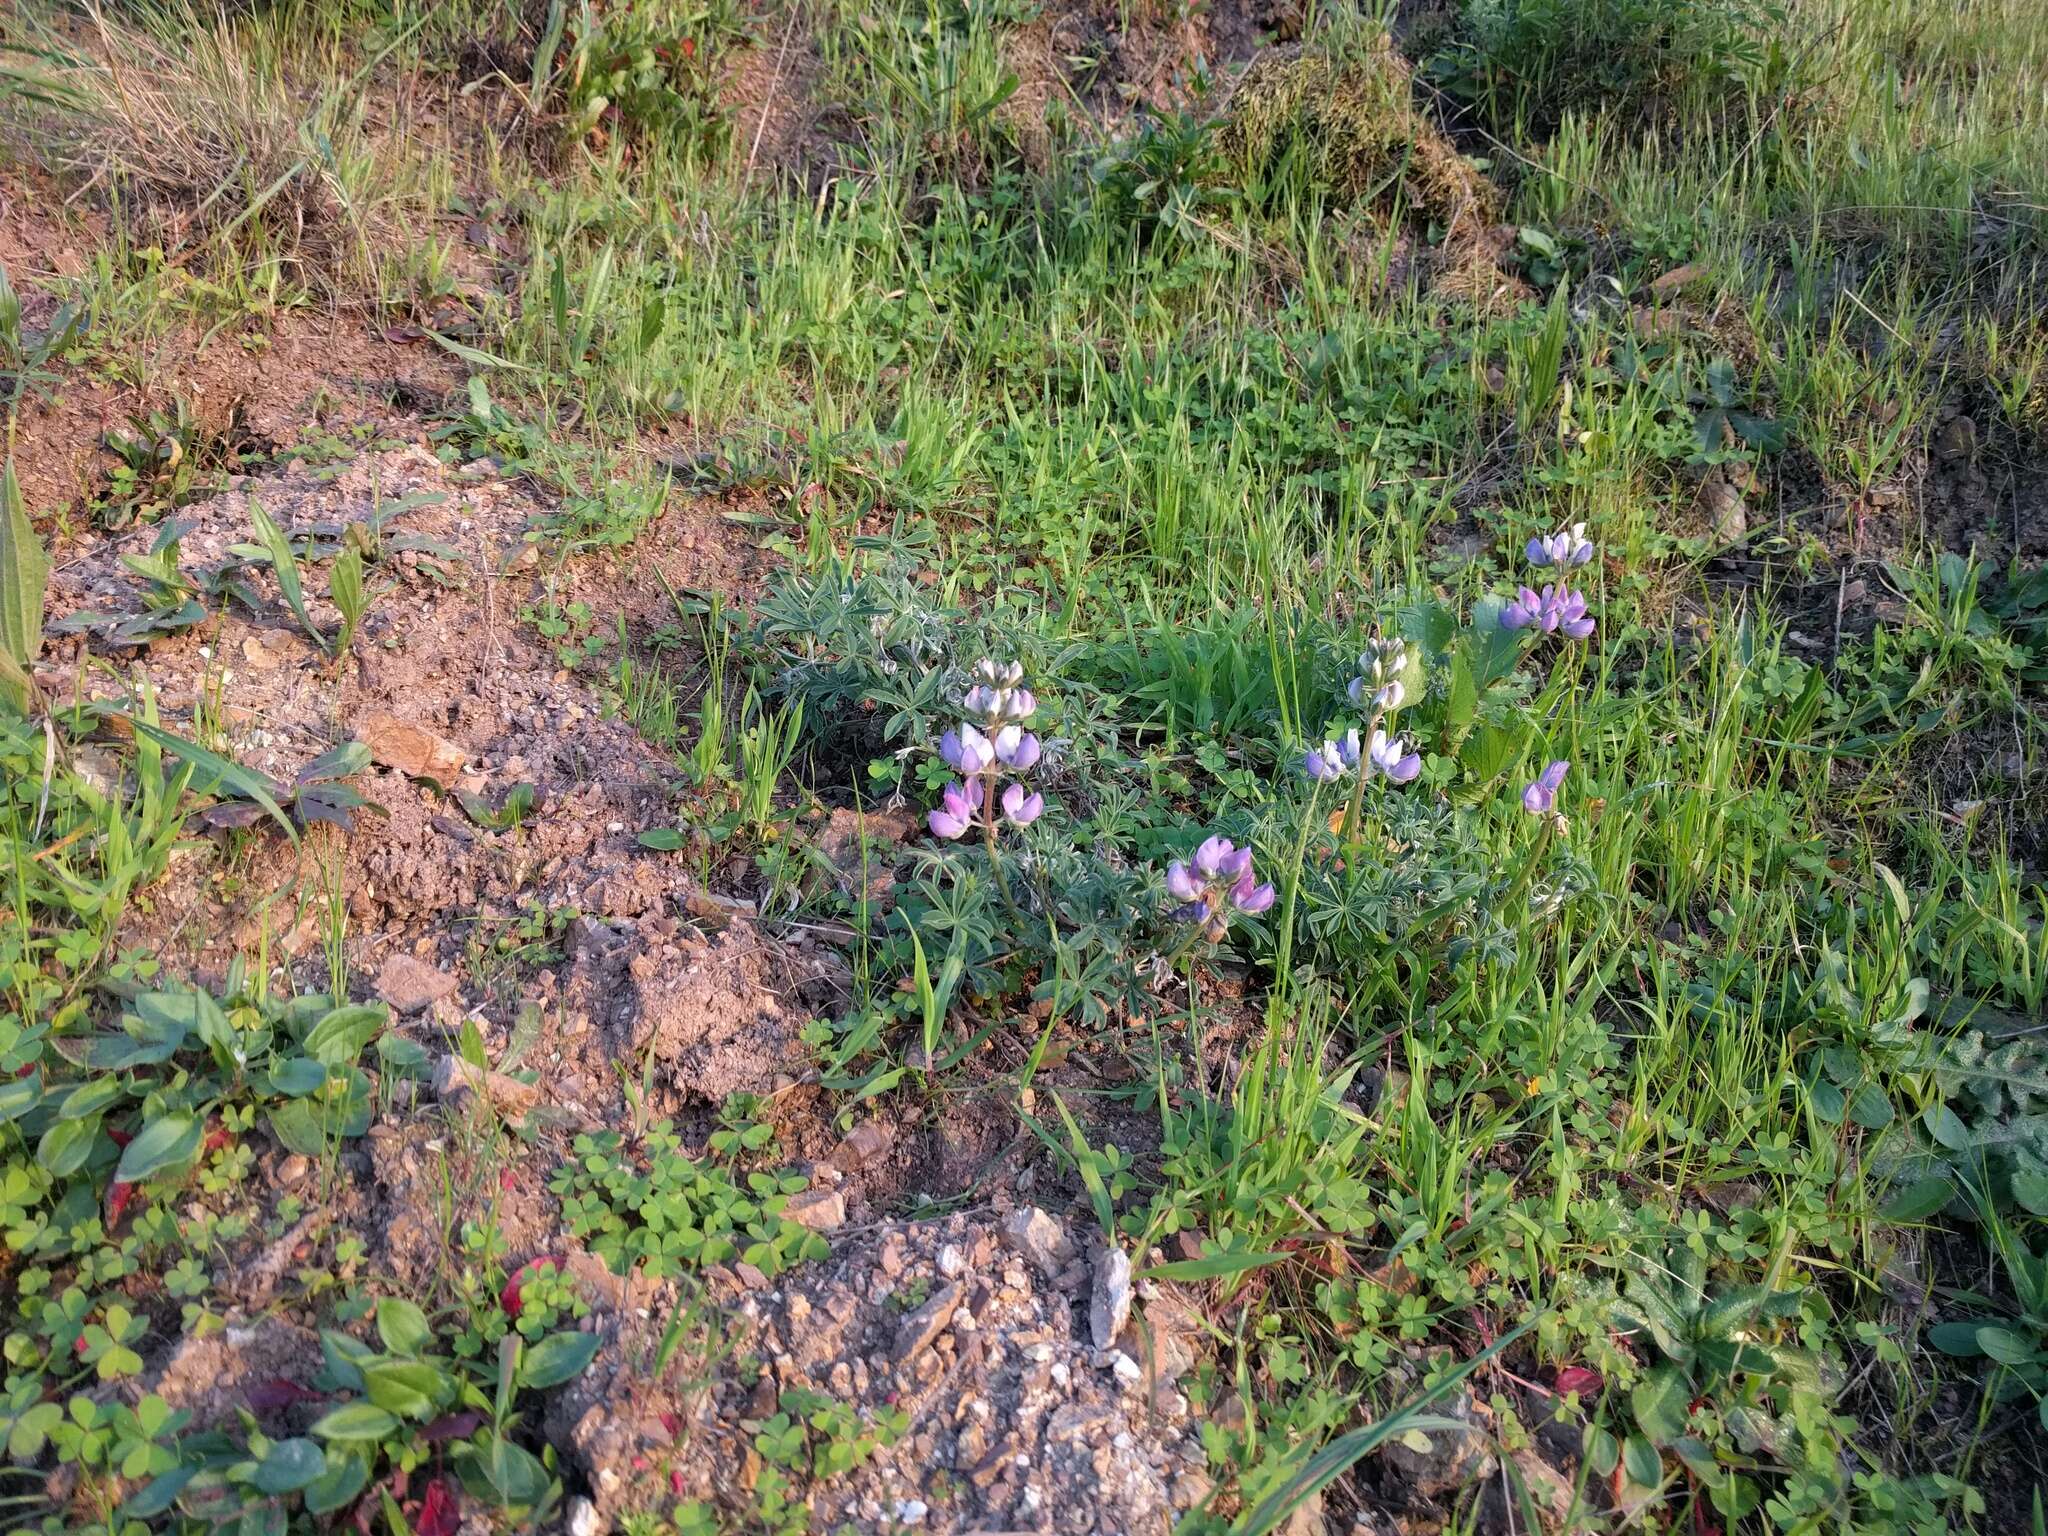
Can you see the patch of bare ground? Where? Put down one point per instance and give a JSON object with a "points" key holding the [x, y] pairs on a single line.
{"points": [[978, 1325]]}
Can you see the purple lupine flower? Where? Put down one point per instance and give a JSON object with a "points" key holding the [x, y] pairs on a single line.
{"points": [[1391, 755], [999, 674], [1572, 617], [1210, 857], [1567, 547], [953, 815], [1020, 705], [1322, 763], [1022, 809], [1556, 607], [967, 751], [1250, 898], [1523, 611], [1015, 748], [1540, 797], [1215, 882]]}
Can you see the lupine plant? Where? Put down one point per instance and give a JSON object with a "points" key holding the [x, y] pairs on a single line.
{"points": [[985, 747], [1557, 609], [1379, 690]]}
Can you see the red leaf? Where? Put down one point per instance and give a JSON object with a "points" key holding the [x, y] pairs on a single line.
{"points": [[509, 1298], [1581, 1379], [454, 1426], [118, 1196], [217, 1138], [119, 1138], [279, 1393], [439, 1513]]}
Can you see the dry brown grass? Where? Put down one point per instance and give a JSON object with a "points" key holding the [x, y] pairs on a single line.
{"points": [[213, 140]]}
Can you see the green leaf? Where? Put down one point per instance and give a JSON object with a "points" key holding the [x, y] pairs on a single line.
{"points": [[1211, 1266], [284, 565], [356, 1421], [1870, 1108], [1922, 1200], [412, 1389], [1959, 1339], [338, 1039], [1660, 1402], [24, 577], [297, 1077], [169, 1142], [2030, 1189], [1645, 1466], [66, 1145], [1947, 1128], [2005, 1346], [223, 772], [403, 1326], [19, 1095], [345, 1478], [556, 1359], [662, 839], [159, 1494], [290, 1465]]}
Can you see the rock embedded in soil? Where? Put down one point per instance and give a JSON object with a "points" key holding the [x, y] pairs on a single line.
{"points": [[1445, 1459], [1109, 1303], [411, 985], [410, 749], [1032, 1233]]}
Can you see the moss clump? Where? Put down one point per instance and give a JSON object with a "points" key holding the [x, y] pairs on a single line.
{"points": [[1353, 120]]}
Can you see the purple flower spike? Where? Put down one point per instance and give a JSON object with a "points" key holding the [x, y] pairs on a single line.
{"points": [[1181, 883], [1391, 756], [1237, 866], [953, 815], [1022, 809], [1523, 611], [1540, 798], [1254, 900], [1021, 704]]}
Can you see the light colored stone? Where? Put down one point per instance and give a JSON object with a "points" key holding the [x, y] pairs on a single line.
{"points": [[1109, 1305], [412, 750], [412, 986]]}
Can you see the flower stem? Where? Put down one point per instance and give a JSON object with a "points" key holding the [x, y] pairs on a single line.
{"points": [[988, 836]]}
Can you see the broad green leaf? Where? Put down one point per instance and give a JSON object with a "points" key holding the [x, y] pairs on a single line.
{"points": [[2030, 1189], [1645, 1466], [1958, 1339], [168, 1142], [403, 1326], [339, 1038], [2006, 1346], [66, 1145], [412, 1389], [296, 1077], [345, 1477], [1660, 1402], [356, 1421], [289, 1466], [1922, 1200], [1947, 1128], [557, 1358]]}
